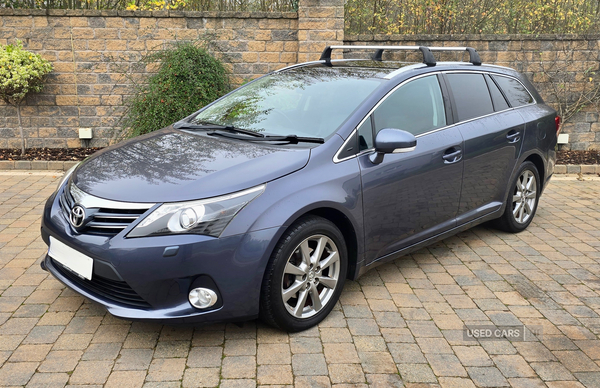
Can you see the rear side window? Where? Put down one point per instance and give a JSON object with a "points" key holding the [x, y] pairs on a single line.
{"points": [[513, 90], [497, 97], [471, 95], [416, 107]]}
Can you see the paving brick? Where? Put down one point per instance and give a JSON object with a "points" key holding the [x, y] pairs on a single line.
{"points": [[136, 359], [346, 374], [60, 361], [239, 367], [30, 353], [166, 369], [201, 377], [417, 373], [17, 373], [48, 380], [306, 345], [487, 377], [204, 357], [91, 372], [126, 379], [104, 351], [513, 366], [551, 371], [240, 347], [342, 353], [273, 354], [274, 375], [309, 365], [377, 362]]}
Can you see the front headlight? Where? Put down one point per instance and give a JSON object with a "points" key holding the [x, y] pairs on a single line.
{"points": [[206, 216], [66, 176]]}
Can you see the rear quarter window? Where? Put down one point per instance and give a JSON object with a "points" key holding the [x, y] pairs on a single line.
{"points": [[514, 91], [471, 96]]}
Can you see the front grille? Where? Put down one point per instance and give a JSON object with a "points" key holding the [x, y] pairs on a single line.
{"points": [[106, 221], [104, 288]]}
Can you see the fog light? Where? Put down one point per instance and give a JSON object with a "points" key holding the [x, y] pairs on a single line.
{"points": [[202, 298]]}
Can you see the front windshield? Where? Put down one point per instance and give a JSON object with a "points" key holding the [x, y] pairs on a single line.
{"points": [[304, 102]]}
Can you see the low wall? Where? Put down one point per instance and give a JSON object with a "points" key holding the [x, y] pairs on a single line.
{"points": [[91, 50]]}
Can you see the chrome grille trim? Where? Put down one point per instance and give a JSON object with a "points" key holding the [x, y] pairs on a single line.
{"points": [[106, 217], [90, 202]]}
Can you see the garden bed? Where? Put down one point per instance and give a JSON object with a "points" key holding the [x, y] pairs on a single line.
{"points": [[47, 154], [76, 154]]}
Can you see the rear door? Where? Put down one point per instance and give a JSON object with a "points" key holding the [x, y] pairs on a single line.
{"points": [[492, 133], [414, 195]]}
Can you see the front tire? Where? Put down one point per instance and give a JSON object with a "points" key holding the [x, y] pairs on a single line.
{"points": [[522, 200], [305, 275]]}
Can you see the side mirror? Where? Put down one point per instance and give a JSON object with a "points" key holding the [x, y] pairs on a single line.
{"points": [[392, 141]]}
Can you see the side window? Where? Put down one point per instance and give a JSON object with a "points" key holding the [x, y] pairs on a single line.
{"points": [[416, 107], [497, 97], [365, 135], [513, 90], [471, 95]]}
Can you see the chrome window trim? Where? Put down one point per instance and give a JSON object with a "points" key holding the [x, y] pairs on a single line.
{"points": [[91, 202], [337, 160]]}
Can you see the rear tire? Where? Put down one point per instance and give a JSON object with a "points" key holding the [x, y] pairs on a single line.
{"points": [[305, 275], [522, 200]]}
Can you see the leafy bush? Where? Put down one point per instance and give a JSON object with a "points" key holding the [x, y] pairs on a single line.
{"points": [[21, 72], [187, 79]]}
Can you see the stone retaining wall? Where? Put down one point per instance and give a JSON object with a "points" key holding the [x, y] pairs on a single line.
{"points": [[91, 50]]}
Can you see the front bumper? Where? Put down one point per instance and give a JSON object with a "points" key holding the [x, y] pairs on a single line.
{"points": [[137, 279]]}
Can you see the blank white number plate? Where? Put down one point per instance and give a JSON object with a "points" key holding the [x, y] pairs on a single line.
{"points": [[70, 258]]}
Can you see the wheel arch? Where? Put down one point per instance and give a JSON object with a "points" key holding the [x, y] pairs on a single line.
{"points": [[538, 161], [345, 226]]}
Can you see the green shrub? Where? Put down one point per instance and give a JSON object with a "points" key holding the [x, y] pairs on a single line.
{"points": [[187, 79], [21, 72]]}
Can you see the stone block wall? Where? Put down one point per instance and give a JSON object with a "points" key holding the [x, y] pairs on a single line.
{"points": [[91, 51], [560, 66]]}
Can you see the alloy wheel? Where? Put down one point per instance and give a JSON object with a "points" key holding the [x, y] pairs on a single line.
{"points": [[524, 197], [310, 276]]}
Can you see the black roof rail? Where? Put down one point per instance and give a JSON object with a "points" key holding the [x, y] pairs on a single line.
{"points": [[428, 57]]}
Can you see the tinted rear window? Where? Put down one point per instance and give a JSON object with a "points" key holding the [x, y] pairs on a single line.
{"points": [[497, 97], [513, 90], [471, 95]]}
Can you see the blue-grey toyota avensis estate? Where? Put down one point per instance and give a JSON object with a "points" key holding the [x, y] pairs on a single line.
{"points": [[262, 203]]}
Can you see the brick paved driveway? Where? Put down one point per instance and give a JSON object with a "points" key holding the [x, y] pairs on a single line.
{"points": [[401, 323]]}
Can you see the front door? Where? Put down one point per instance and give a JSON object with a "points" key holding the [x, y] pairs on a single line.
{"points": [[414, 195]]}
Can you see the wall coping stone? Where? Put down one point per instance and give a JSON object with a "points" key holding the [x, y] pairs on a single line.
{"points": [[148, 14], [348, 38]]}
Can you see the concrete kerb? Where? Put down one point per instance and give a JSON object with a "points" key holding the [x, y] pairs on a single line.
{"points": [[35, 165]]}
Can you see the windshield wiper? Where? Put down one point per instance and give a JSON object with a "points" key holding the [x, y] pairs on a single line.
{"points": [[207, 125], [293, 139]]}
